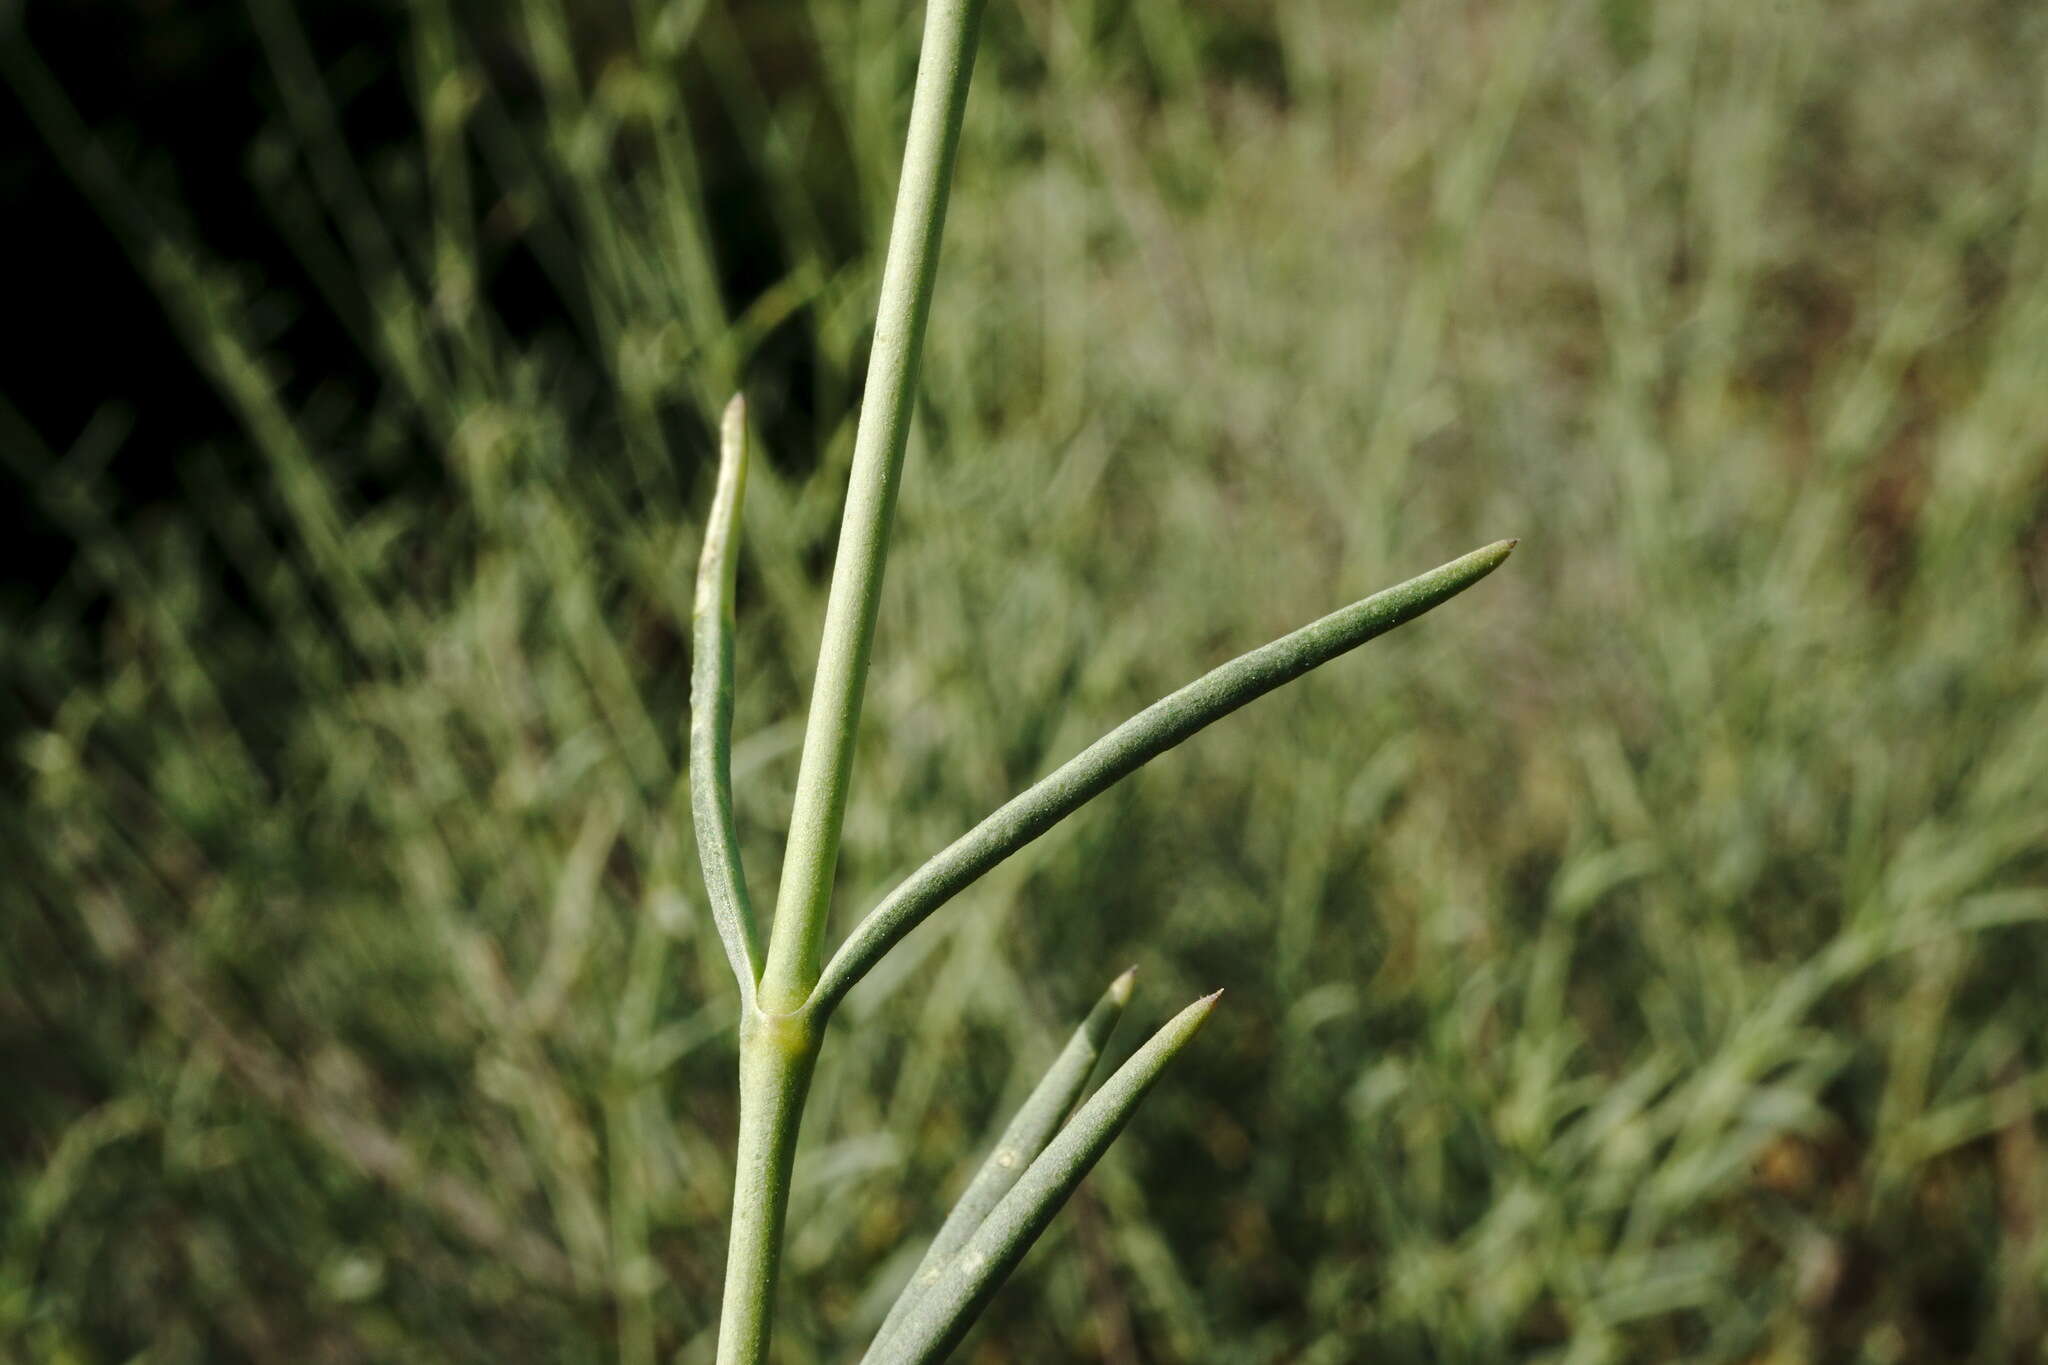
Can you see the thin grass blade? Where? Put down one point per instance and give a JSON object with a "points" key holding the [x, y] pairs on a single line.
{"points": [[725, 880], [1130, 746], [940, 1316], [1037, 1119]]}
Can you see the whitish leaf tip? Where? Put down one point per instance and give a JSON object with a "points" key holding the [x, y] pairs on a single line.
{"points": [[1120, 989]]}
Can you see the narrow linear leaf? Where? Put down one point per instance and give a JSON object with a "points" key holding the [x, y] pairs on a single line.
{"points": [[943, 1313], [1130, 746], [711, 708], [1040, 1116]]}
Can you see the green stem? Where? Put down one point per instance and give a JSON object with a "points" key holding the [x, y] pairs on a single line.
{"points": [[779, 1035], [777, 1054], [796, 942]]}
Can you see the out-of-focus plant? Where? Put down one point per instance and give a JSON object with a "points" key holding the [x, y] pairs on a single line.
{"points": [[788, 989]]}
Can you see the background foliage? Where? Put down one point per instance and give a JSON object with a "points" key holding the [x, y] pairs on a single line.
{"points": [[1641, 959]]}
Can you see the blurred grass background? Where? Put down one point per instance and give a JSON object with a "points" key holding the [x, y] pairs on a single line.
{"points": [[1640, 959]]}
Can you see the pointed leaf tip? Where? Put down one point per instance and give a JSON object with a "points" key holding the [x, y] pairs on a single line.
{"points": [[1192, 1018], [1120, 989], [1494, 555]]}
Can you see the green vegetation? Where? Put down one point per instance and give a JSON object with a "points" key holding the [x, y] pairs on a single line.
{"points": [[1640, 960], [788, 991]]}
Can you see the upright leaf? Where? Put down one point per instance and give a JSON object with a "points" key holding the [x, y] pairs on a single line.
{"points": [[1040, 1116], [934, 1324], [725, 880]]}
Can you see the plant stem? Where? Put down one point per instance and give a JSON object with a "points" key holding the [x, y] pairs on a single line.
{"points": [[777, 1053], [778, 1035], [796, 943]]}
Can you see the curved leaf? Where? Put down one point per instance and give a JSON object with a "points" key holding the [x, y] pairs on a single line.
{"points": [[711, 708], [1130, 746]]}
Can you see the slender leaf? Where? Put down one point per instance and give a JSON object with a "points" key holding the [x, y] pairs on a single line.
{"points": [[1040, 1116], [941, 1315], [1130, 746], [725, 880]]}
